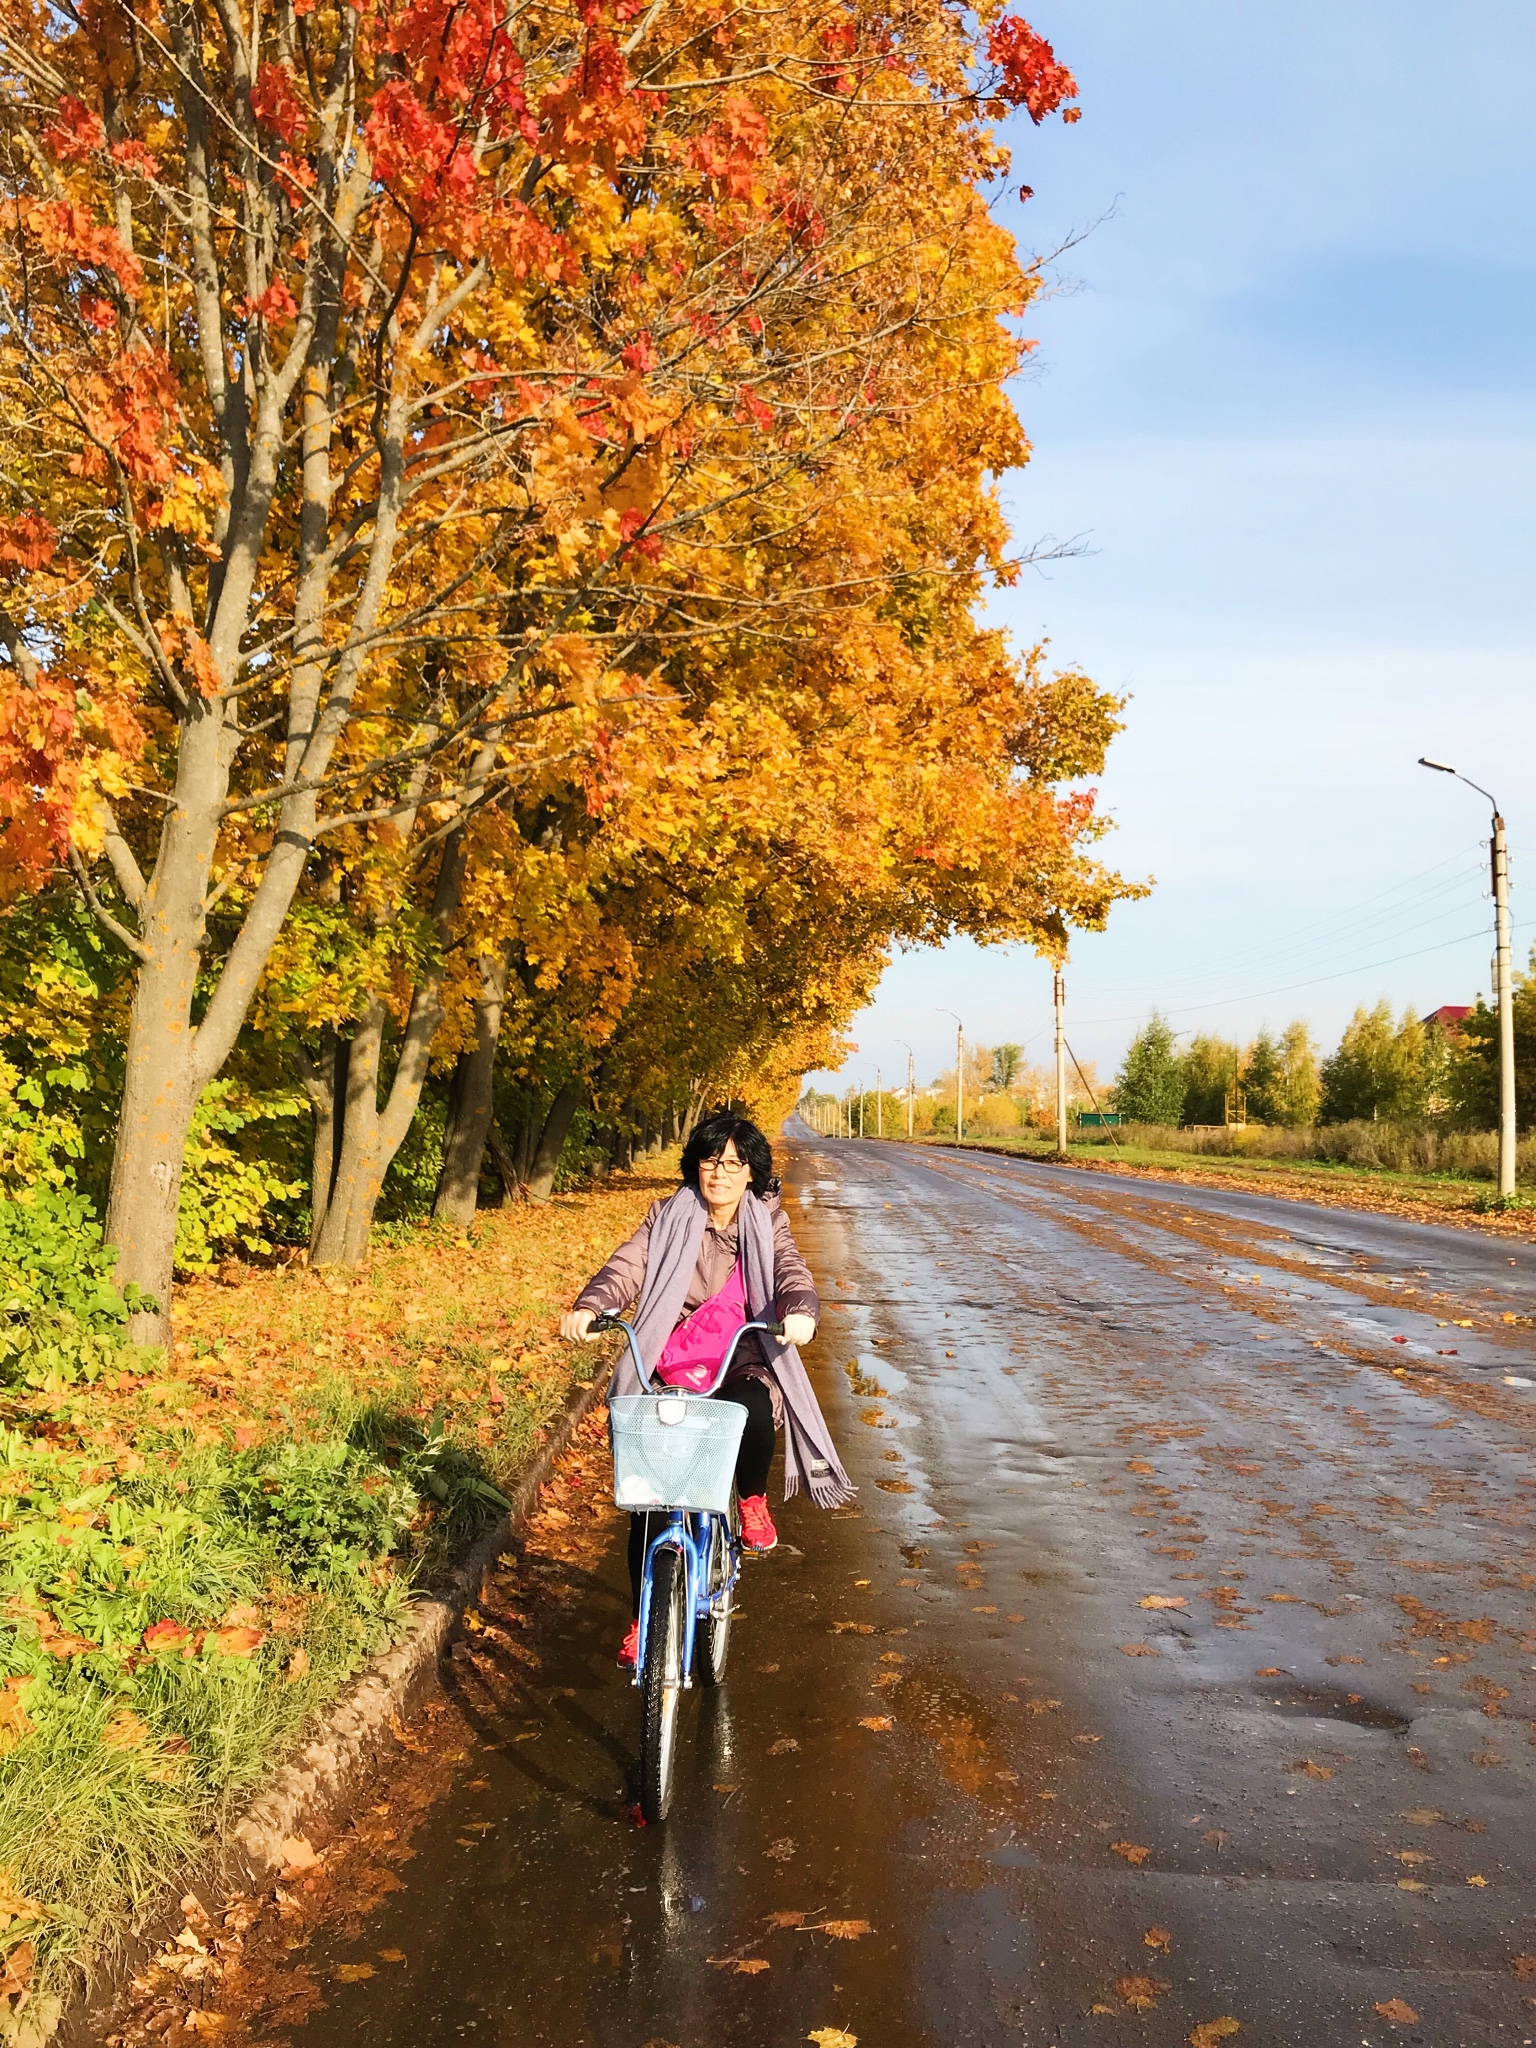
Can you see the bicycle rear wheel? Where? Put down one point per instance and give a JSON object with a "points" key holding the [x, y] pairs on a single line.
{"points": [[712, 1633], [661, 1683]]}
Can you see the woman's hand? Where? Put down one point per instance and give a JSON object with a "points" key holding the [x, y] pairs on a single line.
{"points": [[576, 1325], [799, 1330]]}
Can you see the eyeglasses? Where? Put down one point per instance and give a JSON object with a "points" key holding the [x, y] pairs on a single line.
{"points": [[722, 1165]]}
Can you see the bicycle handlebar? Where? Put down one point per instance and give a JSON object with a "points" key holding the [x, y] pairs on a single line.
{"points": [[606, 1322]]}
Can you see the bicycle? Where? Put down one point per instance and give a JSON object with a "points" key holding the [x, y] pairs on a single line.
{"points": [[674, 1455]]}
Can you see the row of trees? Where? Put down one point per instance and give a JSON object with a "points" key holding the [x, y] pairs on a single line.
{"points": [[1402, 1070], [493, 513]]}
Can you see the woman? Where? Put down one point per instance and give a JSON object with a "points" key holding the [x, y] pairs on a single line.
{"points": [[713, 1256]]}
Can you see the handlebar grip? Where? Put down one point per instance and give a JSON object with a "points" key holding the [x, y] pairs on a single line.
{"points": [[773, 1329], [606, 1322]]}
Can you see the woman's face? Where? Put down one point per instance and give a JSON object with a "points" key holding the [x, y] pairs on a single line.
{"points": [[723, 1179]]}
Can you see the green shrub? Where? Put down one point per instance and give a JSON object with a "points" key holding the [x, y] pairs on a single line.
{"points": [[329, 1507], [61, 1317]]}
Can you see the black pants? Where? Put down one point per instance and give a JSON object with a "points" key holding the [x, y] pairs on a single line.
{"points": [[752, 1462]]}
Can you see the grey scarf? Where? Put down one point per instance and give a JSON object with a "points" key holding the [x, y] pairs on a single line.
{"points": [[671, 1255]]}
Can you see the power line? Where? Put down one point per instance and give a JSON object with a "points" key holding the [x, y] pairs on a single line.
{"points": [[1258, 994]]}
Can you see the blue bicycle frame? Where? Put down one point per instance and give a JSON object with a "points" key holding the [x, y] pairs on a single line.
{"points": [[688, 1531]]}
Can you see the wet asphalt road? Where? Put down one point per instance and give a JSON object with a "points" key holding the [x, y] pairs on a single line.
{"points": [[1298, 1794]]}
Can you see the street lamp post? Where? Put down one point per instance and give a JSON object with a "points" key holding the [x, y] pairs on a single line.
{"points": [[1501, 972], [959, 1074], [879, 1111], [911, 1081], [1059, 995]]}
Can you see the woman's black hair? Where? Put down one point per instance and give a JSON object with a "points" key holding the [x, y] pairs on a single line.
{"points": [[710, 1139]]}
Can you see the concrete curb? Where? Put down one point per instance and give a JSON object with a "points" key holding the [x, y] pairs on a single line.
{"points": [[316, 1786]]}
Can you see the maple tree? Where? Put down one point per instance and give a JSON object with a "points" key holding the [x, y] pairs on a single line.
{"points": [[392, 391]]}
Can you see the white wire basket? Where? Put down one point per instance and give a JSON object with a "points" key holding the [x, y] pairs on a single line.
{"points": [[674, 1451]]}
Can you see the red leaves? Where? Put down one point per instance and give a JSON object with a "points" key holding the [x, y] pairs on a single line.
{"points": [[641, 354], [65, 229], [276, 104], [276, 303], [1030, 75], [750, 409], [730, 149], [38, 780], [74, 132], [630, 525], [26, 542]]}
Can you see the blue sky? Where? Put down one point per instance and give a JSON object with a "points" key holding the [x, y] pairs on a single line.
{"points": [[1284, 395]]}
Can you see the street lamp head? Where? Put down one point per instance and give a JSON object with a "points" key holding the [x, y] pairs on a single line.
{"points": [[1440, 767]]}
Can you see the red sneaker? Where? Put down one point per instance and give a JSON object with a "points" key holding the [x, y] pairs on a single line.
{"points": [[757, 1530], [629, 1649]]}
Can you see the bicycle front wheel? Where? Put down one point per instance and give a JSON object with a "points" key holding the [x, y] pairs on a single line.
{"points": [[712, 1635], [661, 1683]]}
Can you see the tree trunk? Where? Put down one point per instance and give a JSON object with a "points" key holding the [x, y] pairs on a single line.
{"points": [[546, 1156], [369, 1137], [506, 1165], [159, 1096], [470, 1104]]}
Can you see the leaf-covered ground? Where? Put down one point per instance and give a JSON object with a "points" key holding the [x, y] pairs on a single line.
{"points": [[198, 1551]]}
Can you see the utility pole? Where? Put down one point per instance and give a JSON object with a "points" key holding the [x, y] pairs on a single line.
{"points": [[1060, 993], [959, 1075], [879, 1108], [1499, 854], [911, 1081], [861, 1109]]}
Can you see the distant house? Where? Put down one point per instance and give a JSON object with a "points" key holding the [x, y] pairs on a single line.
{"points": [[1449, 1017]]}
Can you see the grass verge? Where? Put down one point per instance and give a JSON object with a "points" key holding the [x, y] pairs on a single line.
{"points": [[198, 1550]]}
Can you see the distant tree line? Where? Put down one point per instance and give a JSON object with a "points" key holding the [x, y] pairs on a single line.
{"points": [[1402, 1070]]}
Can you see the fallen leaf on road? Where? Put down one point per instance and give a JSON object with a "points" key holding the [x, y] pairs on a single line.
{"points": [[353, 1973], [1523, 1966], [1396, 2009], [1411, 1884], [1209, 2032], [833, 2037], [1140, 1465], [783, 1746], [1140, 1993], [785, 1919], [1285, 1599], [878, 1722], [853, 1628], [1480, 1882], [1410, 1856], [392, 1955], [1133, 1852], [1137, 1650], [1158, 1938], [782, 1850], [751, 1965], [1160, 1600], [1271, 1671], [1423, 1816], [842, 1930], [1307, 1769]]}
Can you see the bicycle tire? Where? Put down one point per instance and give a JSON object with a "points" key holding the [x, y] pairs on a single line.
{"points": [[661, 1684], [712, 1633]]}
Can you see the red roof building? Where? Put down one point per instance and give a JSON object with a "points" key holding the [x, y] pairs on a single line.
{"points": [[1450, 1017]]}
